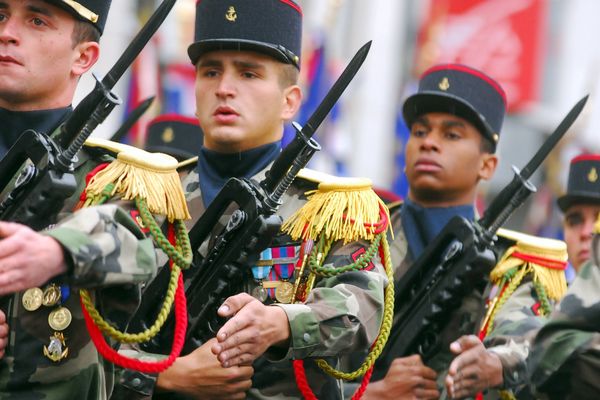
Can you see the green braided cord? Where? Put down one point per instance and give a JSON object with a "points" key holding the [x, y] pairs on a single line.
{"points": [[514, 283], [102, 198], [360, 264], [543, 296], [140, 337], [182, 260], [386, 326], [182, 239]]}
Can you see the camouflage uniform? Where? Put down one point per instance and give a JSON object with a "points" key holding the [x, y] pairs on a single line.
{"points": [[329, 324], [463, 320], [106, 252], [564, 361]]}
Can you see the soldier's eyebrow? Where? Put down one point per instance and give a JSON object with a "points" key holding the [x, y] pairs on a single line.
{"points": [[240, 64], [209, 62], [422, 120], [453, 124], [39, 9]]}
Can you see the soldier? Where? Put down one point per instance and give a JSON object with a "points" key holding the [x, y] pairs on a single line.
{"points": [[45, 46], [564, 362], [455, 119], [247, 60], [580, 206], [517, 322], [176, 135]]}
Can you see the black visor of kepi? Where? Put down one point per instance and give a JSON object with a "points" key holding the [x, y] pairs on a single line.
{"points": [[93, 11], [272, 27], [462, 91]]}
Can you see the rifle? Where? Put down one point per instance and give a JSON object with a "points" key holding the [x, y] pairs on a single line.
{"points": [[249, 230], [454, 263], [33, 193]]}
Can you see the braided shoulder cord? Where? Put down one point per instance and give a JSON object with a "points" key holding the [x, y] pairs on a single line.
{"points": [[323, 248], [386, 324], [515, 281], [543, 296], [182, 241]]}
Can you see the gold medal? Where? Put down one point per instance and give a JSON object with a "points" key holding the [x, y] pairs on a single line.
{"points": [[51, 296], [57, 348], [59, 319], [284, 292], [32, 299]]}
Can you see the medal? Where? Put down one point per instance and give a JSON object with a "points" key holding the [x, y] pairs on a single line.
{"points": [[59, 319], [32, 299], [259, 272], [284, 260], [51, 295], [260, 293], [284, 292], [54, 351]]}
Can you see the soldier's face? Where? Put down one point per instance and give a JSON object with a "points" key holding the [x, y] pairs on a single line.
{"points": [[39, 65], [444, 160], [240, 101], [578, 225]]}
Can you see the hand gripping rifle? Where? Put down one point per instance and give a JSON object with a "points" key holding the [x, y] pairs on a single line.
{"points": [[454, 263], [249, 230], [33, 193]]}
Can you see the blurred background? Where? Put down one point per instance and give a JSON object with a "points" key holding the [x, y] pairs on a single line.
{"points": [[541, 51]]}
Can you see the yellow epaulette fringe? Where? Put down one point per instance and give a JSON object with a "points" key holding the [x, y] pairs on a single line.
{"points": [[139, 174], [343, 209], [547, 272]]}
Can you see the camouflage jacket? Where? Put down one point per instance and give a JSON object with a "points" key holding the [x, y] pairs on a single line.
{"points": [[517, 321], [329, 324], [107, 253], [463, 321], [564, 361]]}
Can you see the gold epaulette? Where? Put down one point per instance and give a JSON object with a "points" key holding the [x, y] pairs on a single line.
{"points": [[187, 163], [545, 258], [341, 209], [312, 175], [137, 173]]}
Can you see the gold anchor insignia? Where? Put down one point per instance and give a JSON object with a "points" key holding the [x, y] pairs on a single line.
{"points": [[54, 351], [444, 84], [231, 15], [592, 175], [168, 135]]}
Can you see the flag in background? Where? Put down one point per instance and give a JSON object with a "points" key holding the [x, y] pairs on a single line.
{"points": [[144, 82], [178, 89]]}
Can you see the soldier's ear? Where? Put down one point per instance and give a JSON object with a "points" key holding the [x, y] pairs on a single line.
{"points": [[489, 162], [85, 55], [292, 100]]}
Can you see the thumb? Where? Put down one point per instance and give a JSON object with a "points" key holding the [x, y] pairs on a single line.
{"points": [[233, 304]]}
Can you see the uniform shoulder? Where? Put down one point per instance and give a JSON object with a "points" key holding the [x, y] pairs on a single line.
{"points": [[154, 161], [532, 243]]}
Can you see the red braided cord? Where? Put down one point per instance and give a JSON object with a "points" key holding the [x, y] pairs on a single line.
{"points": [[363, 385], [178, 337], [301, 380], [546, 262]]}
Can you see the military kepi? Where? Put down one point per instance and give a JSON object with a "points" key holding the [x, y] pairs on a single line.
{"points": [[273, 27], [176, 135], [463, 91], [93, 11], [584, 182]]}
